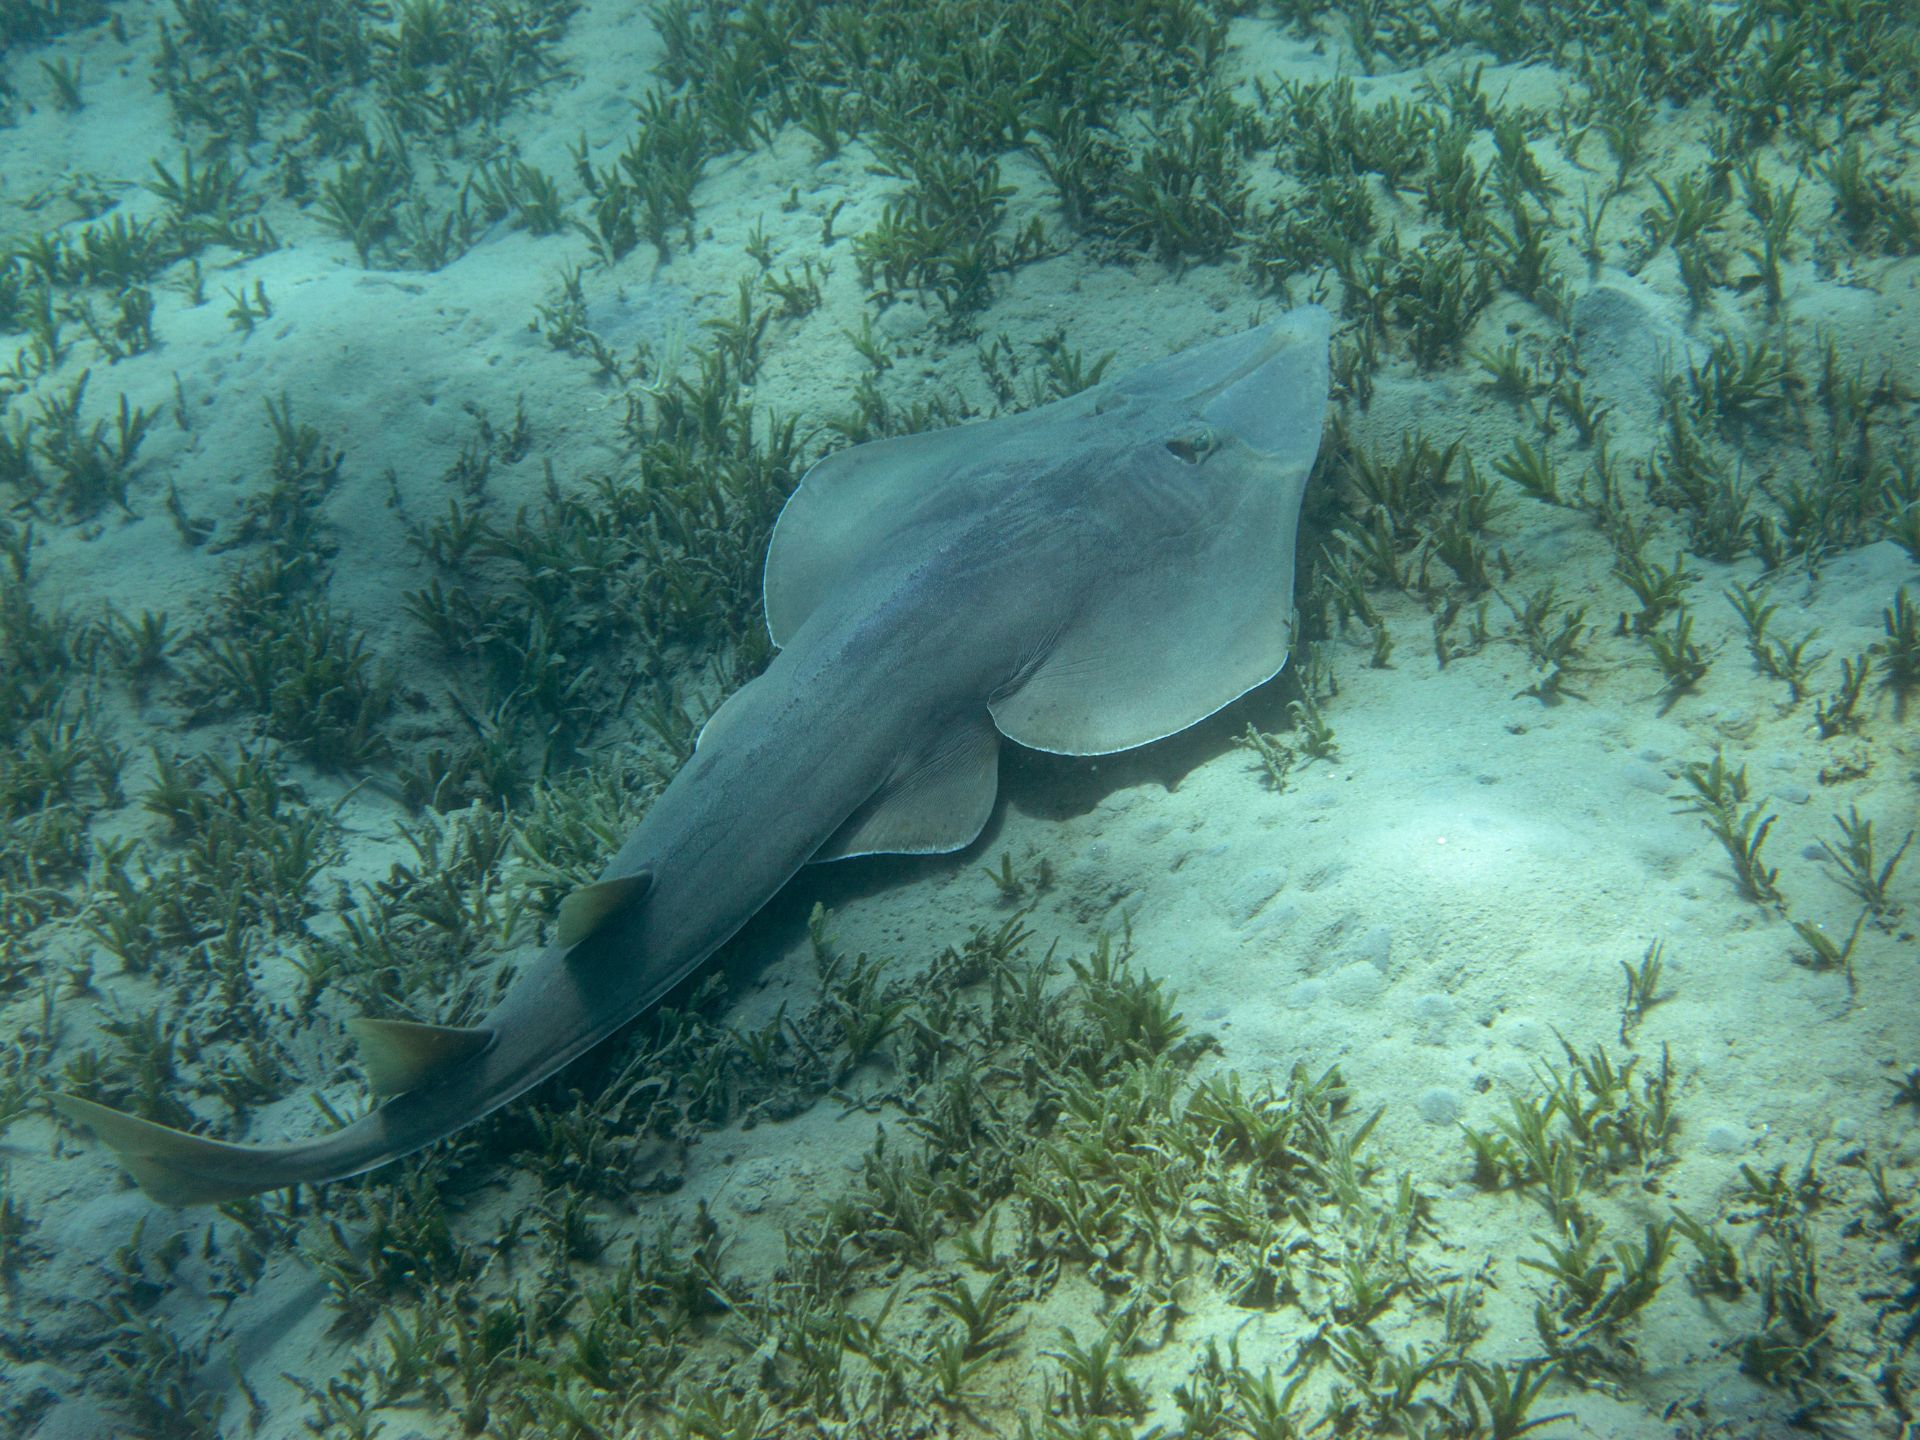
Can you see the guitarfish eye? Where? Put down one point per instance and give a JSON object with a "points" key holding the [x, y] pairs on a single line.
{"points": [[1194, 445]]}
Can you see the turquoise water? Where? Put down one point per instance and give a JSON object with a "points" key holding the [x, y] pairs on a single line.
{"points": [[1504, 1015]]}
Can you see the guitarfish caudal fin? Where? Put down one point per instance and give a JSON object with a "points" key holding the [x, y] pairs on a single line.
{"points": [[401, 1057], [178, 1168], [172, 1166]]}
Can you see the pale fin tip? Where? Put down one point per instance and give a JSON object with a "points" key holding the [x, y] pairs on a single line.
{"points": [[591, 906], [402, 1055]]}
